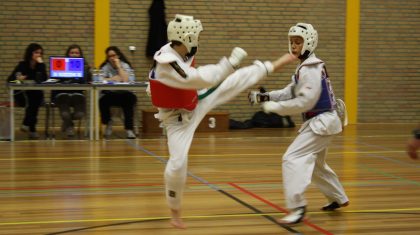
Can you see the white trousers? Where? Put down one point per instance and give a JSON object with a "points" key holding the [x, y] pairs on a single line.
{"points": [[305, 160], [181, 125]]}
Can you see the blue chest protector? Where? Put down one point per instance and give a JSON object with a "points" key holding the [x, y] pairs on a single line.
{"points": [[326, 101]]}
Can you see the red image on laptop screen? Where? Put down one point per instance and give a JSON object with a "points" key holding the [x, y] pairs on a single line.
{"points": [[59, 64], [66, 67]]}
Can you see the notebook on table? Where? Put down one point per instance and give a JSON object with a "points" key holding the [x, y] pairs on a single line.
{"points": [[66, 69]]}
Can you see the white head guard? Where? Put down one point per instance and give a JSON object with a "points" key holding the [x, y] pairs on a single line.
{"points": [[186, 30], [309, 35]]}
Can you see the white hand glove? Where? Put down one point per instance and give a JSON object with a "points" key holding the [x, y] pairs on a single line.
{"points": [[255, 97], [237, 55], [270, 107], [342, 112]]}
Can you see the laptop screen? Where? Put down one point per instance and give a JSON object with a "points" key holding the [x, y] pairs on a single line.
{"points": [[66, 67]]}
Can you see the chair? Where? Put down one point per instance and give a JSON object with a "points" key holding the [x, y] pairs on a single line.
{"points": [[49, 111], [117, 113], [50, 119], [5, 121]]}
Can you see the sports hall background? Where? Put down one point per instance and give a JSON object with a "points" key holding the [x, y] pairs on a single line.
{"points": [[389, 42]]}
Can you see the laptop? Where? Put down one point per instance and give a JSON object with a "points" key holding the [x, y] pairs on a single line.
{"points": [[67, 69]]}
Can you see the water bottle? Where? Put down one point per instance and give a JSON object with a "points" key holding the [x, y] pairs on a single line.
{"points": [[95, 75], [101, 75], [131, 75]]}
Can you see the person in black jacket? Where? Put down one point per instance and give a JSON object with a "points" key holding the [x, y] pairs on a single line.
{"points": [[72, 104], [31, 69]]}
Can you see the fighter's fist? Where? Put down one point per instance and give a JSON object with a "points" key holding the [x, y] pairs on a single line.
{"points": [[270, 107], [237, 55], [255, 97]]}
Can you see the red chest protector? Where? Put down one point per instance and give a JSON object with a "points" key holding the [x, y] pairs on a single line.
{"points": [[164, 96]]}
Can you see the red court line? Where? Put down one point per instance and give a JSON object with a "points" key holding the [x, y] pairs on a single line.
{"points": [[52, 187], [278, 208]]}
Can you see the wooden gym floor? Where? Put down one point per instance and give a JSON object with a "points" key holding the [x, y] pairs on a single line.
{"points": [[234, 185]]}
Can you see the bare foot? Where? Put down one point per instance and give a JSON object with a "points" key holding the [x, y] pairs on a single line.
{"points": [[283, 60], [176, 219]]}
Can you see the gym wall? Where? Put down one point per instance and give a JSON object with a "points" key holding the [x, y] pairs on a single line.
{"points": [[389, 63]]}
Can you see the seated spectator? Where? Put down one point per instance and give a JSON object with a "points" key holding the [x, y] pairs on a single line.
{"points": [[117, 68], [72, 104], [31, 69]]}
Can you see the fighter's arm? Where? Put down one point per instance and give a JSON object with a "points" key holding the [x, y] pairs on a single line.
{"points": [[178, 75], [256, 97], [183, 77], [287, 92], [283, 94], [210, 75], [306, 94]]}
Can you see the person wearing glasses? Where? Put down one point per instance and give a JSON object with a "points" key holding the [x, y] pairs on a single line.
{"points": [[116, 68]]}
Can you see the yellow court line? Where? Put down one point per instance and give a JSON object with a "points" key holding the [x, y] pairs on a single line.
{"points": [[74, 158], [191, 155], [251, 138], [380, 210], [269, 154], [193, 217]]}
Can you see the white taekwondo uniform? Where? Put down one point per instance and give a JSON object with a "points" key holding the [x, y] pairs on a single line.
{"points": [[304, 159], [180, 123]]}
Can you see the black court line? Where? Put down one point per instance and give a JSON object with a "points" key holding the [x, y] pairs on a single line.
{"points": [[214, 187], [102, 226], [258, 211]]}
